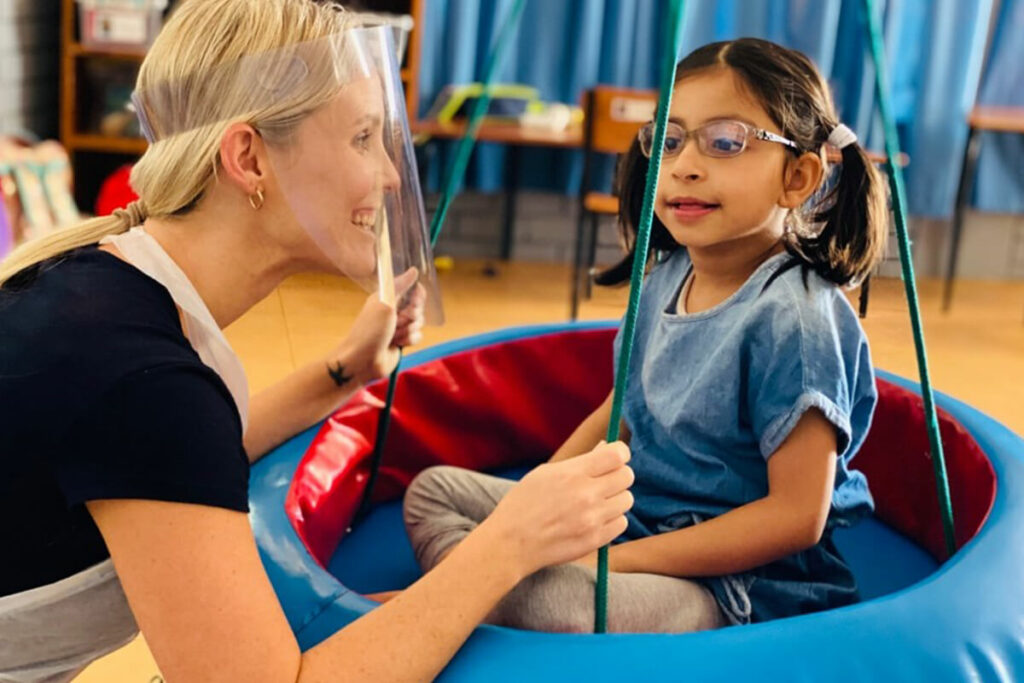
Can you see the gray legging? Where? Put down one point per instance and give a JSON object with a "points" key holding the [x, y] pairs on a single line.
{"points": [[443, 504]]}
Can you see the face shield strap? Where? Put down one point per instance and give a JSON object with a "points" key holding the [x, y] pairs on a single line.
{"points": [[302, 72]]}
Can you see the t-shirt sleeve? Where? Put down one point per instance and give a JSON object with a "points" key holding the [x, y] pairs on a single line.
{"points": [[811, 353], [169, 433]]}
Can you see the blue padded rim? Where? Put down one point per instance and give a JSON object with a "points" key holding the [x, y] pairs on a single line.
{"points": [[964, 622]]}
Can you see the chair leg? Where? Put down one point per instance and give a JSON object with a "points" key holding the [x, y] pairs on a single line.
{"points": [[865, 289], [577, 266], [963, 197], [591, 254]]}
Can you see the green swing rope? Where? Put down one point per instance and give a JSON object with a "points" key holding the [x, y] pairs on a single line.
{"points": [[898, 192], [673, 37], [453, 180]]}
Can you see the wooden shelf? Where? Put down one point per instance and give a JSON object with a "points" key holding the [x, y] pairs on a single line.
{"points": [[104, 143], [1001, 119], [79, 50]]}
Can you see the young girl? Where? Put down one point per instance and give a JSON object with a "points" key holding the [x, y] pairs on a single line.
{"points": [[750, 387]]}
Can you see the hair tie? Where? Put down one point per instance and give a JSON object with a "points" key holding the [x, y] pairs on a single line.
{"points": [[132, 215], [841, 136]]}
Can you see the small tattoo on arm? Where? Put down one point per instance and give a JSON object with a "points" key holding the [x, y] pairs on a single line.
{"points": [[337, 373]]}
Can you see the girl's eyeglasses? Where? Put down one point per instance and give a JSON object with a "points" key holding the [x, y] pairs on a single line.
{"points": [[720, 139]]}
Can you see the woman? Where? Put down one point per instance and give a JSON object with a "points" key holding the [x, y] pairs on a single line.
{"points": [[125, 418]]}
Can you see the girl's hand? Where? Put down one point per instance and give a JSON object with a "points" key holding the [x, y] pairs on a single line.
{"points": [[561, 511], [370, 352]]}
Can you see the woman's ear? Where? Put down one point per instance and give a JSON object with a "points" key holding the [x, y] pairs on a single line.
{"points": [[801, 178], [242, 158]]}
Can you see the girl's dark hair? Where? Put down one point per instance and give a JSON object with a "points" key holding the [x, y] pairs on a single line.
{"points": [[841, 235]]}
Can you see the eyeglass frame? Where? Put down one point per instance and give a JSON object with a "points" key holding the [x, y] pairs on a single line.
{"points": [[752, 131]]}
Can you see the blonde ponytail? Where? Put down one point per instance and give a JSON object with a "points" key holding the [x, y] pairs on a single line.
{"points": [[175, 172]]}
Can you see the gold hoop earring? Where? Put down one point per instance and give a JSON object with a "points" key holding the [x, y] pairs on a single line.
{"points": [[256, 200]]}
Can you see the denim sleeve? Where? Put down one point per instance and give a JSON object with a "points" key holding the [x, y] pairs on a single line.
{"points": [[811, 353]]}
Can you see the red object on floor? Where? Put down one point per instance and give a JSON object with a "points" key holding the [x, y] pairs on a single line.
{"points": [[515, 402], [115, 192]]}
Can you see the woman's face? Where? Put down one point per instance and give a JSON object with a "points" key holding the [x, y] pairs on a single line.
{"points": [[334, 174]]}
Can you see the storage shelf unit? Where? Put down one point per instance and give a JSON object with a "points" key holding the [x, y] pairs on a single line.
{"points": [[94, 155]]}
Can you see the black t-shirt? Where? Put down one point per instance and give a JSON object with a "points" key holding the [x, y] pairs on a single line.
{"points": [[101, 396]]}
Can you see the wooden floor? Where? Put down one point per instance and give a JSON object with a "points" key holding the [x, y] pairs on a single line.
{"points": [[976, 352]]}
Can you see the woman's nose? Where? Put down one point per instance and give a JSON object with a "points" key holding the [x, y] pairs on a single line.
{"points": [[392, 180]]}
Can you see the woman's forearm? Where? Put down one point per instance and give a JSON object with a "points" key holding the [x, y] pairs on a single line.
{"points": [[413, 636], [297, 402], [749, 536]]}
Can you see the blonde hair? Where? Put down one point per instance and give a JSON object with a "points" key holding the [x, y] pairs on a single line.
{"points": [[193, 54]]}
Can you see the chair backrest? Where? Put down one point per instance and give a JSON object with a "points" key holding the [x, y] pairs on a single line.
{"points": [[614, 115]]}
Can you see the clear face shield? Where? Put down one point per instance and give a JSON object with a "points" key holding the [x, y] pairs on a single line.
{"points": [[345, 167]]}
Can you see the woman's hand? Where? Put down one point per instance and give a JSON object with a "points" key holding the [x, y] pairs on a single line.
{"points": [[562, 511], [370, 351]]}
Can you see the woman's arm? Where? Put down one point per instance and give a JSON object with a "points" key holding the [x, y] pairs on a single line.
{"points": [[314, 391], [791, 518], [300, 400], [196, 585], [591, 431]]}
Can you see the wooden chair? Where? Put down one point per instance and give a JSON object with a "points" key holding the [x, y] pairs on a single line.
{"points": [[612, 117]]}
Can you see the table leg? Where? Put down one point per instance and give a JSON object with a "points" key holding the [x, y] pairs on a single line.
{"points": [[577, 264], [508, 224], [963, 195]]}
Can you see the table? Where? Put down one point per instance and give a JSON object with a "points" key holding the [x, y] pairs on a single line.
{"points": [[516, 137]]}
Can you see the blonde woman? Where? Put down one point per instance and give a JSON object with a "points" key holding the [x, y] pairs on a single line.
{"points": [[125, 420]]}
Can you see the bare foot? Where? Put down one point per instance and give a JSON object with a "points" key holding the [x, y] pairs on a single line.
{"points": [[382, 597]]}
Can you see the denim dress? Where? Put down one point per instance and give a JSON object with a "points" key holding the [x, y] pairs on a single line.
{"points": [[712, 395]]}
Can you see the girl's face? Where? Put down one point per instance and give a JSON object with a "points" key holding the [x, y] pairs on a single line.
{"points": [[706, 201]]}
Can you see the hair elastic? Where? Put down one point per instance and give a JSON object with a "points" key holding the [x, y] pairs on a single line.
{"points": [[841, 136]]}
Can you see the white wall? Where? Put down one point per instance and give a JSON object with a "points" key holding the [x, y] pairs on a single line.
{"points": [[29, 66]]}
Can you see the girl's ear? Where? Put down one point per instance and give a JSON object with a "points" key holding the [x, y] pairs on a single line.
{"points": [[801, 178]]}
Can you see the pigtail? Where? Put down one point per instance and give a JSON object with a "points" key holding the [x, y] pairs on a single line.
{"points": [[630, 181], [852, 222]]}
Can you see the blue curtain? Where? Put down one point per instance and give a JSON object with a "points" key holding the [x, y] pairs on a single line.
{"points": [[935, 51], [1000, 183]]}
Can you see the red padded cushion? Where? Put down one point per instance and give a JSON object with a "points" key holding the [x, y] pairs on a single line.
{"points": [[515, 402], [115, 192]]}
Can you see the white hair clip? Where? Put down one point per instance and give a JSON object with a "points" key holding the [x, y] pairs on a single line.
{"points": [[841, 136]]}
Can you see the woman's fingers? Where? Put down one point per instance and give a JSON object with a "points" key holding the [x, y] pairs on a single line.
{"points": [[614, 482], [611, 530], [605, 458], [409, 334], [414, 298], [617, 506]]}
